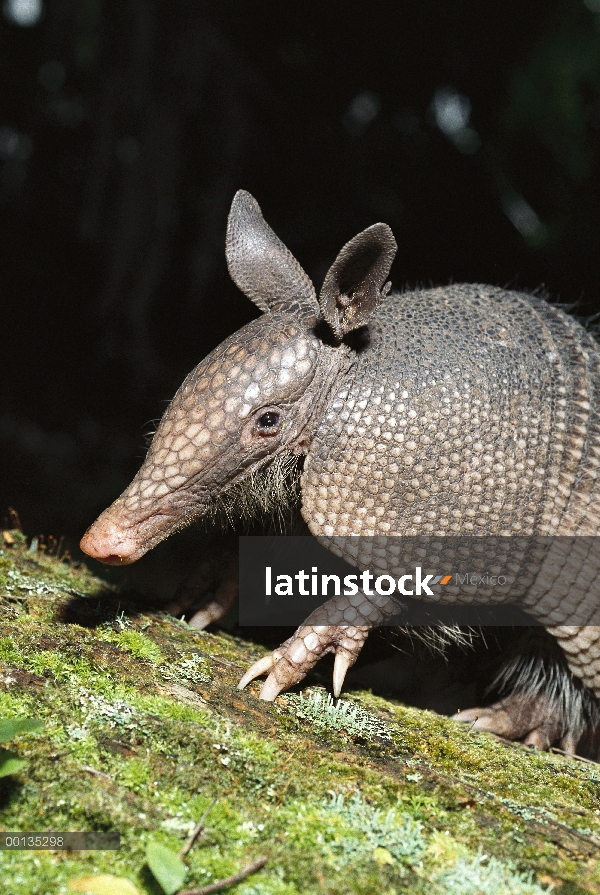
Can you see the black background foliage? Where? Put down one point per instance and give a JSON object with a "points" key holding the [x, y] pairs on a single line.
{"points": [[472, 128]]}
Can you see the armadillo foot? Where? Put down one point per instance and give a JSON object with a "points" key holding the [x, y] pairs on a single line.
{"points": [[527, 719], [290, 663], [218, 573]]}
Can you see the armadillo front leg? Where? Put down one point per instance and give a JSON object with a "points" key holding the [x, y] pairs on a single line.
{"points": [[339, 626], [219, 572]]}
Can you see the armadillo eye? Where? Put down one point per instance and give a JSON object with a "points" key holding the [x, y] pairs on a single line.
{"points": [[267, 423]]}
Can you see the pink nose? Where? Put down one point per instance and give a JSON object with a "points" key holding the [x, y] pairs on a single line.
{"points": [[104, 541]]}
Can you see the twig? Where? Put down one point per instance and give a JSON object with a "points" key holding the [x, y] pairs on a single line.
{"points": [[572, 810], [90, 770], [224, 883], [578, 833], [196, 831], [574, 757], [547, 818], [289, 780]]}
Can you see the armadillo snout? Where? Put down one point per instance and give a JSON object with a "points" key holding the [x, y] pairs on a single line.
{"points": [[110, 542]]}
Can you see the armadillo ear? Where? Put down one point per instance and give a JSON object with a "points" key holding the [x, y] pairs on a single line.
{"points": [[259, 263], [354, 284]]}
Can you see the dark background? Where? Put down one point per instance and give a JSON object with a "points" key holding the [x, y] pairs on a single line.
{"points": [[472, 128]]}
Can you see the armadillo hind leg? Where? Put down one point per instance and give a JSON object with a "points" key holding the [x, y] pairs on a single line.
{"points": [[218, 574], [542, 703], [521, 717], [340, 626]]}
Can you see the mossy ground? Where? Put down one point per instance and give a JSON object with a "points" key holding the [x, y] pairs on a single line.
{"points": [[144, 729]]}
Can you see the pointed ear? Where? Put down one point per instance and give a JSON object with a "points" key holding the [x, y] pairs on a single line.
{"points": [[259, 263], [354, 284]]}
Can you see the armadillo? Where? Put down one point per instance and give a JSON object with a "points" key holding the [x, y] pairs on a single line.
{"points": [[463, 410]]}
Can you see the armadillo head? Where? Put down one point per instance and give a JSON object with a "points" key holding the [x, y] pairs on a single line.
{"points": [[259, 393]]}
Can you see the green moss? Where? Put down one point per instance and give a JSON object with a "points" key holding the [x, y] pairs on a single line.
{"points": [[136, 774], [16, 704], [139, 645], [62, 666], [145, 729], [9, 654], [167, 709]]}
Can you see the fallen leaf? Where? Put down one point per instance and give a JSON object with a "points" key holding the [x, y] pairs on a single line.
{"points": [[166, 866], [12, 727], [10, 763]]}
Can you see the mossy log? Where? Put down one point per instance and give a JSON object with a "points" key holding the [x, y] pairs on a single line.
{"points": [[144, 730]]}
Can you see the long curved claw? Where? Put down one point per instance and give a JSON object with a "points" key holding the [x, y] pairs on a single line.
{"points": [[467, 715], [225, 595], [212, 612], [259, 667], [342, 663], [271, 688]]}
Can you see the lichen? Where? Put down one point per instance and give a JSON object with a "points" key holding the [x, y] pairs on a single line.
{"points": [[188, 669], [482, 875], [142, 734], [326, 713]]}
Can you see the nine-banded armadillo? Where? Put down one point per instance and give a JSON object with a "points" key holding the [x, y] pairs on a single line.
{"points": [[464, 410]]}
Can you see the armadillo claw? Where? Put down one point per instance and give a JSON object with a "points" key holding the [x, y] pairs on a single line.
{"points": [[340, 666], [289, 664], [270, 689], [568, 744], [259, 667], [212, 612], [215, 609]]}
